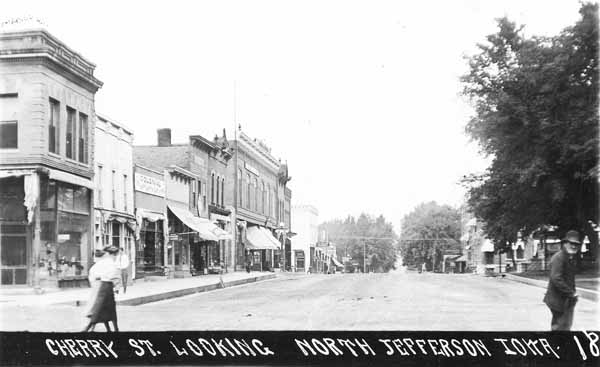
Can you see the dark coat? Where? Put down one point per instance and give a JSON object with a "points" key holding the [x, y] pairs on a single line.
{"points": [[561, 286]]}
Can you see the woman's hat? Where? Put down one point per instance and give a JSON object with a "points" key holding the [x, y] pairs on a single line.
{"points": [[98, 253], [111, 249], [572, 237]]}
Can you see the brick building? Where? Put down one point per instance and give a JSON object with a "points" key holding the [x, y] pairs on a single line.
{"points": [[195, 244], [47, 120], [257, 181]]}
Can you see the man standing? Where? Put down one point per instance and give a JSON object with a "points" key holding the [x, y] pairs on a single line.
{"points": [[561, 295], [123, 265]]}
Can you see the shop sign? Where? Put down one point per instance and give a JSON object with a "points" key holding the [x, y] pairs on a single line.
{"points": [[251, 169], [173, 237], [149, 185], [64, 237]]}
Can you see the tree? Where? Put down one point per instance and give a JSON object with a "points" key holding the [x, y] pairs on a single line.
{"points": [[429, 232], [362, 237], [536, 116]]}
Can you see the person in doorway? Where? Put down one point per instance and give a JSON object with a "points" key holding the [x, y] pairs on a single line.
{"points": [[107, 275], [123, 265], [561, 294]]}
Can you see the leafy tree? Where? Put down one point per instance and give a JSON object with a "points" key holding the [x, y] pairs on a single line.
{"points": [[536, 116], [428, 232], [365, 235]]}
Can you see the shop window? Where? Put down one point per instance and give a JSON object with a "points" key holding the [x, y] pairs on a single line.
{"points": [[116, 234], [54, 127], [71, 134], [9, 129], [489, 258], [83, 138], [12, 195]]}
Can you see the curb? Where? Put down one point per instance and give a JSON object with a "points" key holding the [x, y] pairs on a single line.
{"points": [[181, 292], [588, 294]]}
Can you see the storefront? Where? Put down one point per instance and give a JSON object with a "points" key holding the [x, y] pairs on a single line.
{"points": [[193, 243], [45, 228], [260, 246]]}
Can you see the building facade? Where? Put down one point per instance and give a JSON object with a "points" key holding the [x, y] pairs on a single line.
{"points": [[47, 118], [193, 245], [258, 182], [114, 216], [306, 226]]}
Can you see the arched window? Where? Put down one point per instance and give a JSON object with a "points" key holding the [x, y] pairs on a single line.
{"points": [[222, 191], [218, 190], [262, 198], [240, 188], [256, 195], [249, 189], [212, 188]]}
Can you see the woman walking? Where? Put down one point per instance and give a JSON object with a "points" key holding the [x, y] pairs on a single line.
{"points": [[104, 277]]}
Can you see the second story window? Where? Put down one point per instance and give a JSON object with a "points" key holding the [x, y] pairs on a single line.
{"points": [[222, 191], [114, 194], [99, 188], [124, 193], [54, 127], [212, 188], [239, 188], [9, 127], [83, 138], [203, 191], [71, 133], [218, 191], [256, 195], [262, 198], [249, 192]]}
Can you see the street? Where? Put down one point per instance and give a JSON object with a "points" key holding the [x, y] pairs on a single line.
{"points": [[392, 301]]}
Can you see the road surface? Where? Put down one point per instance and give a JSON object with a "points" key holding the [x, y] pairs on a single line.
{"points": [[393, 301]]}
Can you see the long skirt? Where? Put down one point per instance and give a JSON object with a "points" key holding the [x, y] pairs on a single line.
{"points": [[104, 308]]}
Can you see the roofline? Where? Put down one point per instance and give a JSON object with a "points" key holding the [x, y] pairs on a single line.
{"points": [[114, 122]]}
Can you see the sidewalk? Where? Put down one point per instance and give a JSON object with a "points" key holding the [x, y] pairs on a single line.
{"points": [[141, 292], [588, 294]]}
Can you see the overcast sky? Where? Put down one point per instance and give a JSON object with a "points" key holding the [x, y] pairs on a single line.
{"points": [[360, 97]]}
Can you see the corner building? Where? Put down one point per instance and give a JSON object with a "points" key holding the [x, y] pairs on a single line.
{"points": [[47, 119]]}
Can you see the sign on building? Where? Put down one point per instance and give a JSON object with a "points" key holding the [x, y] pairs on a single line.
{"points": [[149, 185]]}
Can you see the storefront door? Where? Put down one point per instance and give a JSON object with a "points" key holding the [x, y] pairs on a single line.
{"points": [[13, 254]]}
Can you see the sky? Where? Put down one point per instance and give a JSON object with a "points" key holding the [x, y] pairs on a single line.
{"points": [[361, 98]]}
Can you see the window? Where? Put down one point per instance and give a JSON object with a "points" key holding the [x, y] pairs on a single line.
{"points": [[83, 138], [193, 194], [218, 190], [71, 133], [212, 188], [249, 191], [256, 196], [114, 196], [520, 253], [99, 186], [489, 258], [116, 234], [222, 192], [262, 198], [9, 129], [240, 188], [203, 190], [54, 127], [125, 193]]}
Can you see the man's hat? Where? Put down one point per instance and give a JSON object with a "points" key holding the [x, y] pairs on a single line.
{"points": [[572, 237], [98, 253], [111, 249]]}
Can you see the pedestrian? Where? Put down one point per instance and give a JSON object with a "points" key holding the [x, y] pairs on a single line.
{"points": [[105, 276], [248, 263], [561, 295], [123, 265]]}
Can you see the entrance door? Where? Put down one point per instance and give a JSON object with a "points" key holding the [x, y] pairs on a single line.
{"points": [[13, 258]]}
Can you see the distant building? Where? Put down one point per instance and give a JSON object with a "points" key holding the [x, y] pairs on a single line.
{"points": [[47, 119], [306, 226]]}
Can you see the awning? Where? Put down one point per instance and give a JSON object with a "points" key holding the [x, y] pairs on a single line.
{"points": [[336, 262], [70, 178], [203, 226], [258, 240], [487, 246], [460, 259], [148, 215], [221, 234], [270, 237], [15, 172]]}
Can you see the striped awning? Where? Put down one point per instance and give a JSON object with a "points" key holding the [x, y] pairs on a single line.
{"points": [[257, 239]]}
